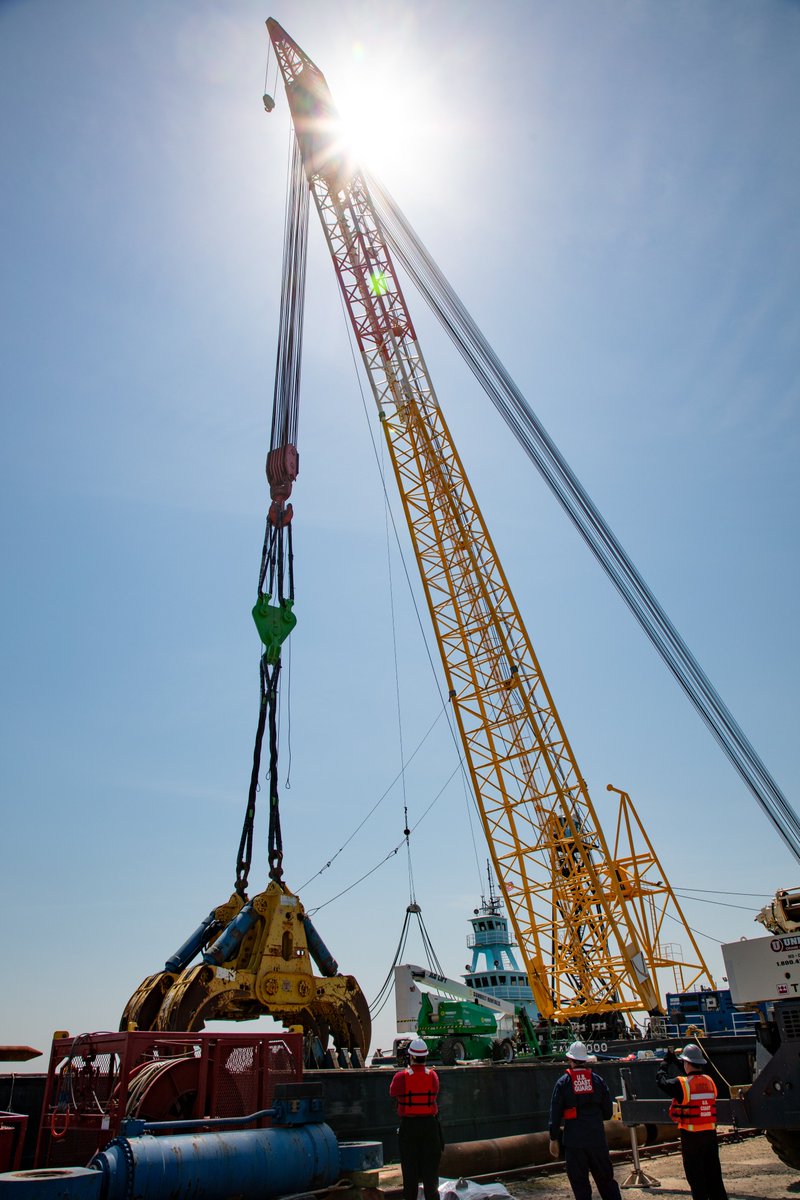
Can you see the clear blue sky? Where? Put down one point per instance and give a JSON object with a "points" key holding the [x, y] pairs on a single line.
{"points": [[614, 189]]}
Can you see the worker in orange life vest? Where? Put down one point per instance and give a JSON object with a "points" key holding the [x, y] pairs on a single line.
{"points": [[581, 1100], [420, 1137], [694, 1111]]}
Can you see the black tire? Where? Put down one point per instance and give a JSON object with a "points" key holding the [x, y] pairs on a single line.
{"points": [[503, 1050], [450, 1050], [446, 1052], [786, 1144]]}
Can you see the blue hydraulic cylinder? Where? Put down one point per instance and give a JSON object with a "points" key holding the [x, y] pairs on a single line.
{"points": [[253, 1164], [183, 956], [51, 1183], [230, 939], [320, 953]]}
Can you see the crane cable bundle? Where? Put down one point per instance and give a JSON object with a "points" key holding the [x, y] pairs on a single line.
{"points": [[276, 575], [590, 523]]}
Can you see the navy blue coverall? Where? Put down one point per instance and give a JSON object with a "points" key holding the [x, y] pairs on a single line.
{"points": [[585, 1146], [699, 1151]]}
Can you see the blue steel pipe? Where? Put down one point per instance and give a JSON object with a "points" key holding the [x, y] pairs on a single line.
{"points": [[230, 939], [184, 955], [251, 1164], [198, 1123]]}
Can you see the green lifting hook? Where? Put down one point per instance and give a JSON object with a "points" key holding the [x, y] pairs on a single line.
{"points": [[274, 624]]}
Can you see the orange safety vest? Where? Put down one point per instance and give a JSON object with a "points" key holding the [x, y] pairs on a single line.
{"points": [[418, 1096], [697, 1110], [582, 1085]]}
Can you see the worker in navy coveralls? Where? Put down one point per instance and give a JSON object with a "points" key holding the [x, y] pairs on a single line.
{"points": [[694, 1111], [420, 1137], [582, 1101]]}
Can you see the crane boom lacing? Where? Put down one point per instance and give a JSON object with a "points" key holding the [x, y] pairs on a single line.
{"points": [[590, 523]]}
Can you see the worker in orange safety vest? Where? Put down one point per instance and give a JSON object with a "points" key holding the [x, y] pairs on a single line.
{"points": [[416, 1089], [694, 1111]]}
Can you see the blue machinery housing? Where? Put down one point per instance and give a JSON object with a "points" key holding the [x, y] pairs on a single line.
{"points": [[208, 1160]]}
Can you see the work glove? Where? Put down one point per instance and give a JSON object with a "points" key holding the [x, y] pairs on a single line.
{"points": [[670, 1057]]}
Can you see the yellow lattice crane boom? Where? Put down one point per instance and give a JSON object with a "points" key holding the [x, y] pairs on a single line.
{"points": [[583, 948]]}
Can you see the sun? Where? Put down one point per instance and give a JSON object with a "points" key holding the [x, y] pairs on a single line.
{"points": [[386, 117]]}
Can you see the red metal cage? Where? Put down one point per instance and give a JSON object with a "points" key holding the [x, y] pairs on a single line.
{"points": [[97, 1080], [12, 1135]]}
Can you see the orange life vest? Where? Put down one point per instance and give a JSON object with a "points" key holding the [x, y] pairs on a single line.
{"points": [[418, 1097], [697, 1110], [582, 1085]]}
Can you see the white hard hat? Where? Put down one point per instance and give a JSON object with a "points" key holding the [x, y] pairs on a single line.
{"points": [[578, 1052], [693, 1054], [418, 1048]]}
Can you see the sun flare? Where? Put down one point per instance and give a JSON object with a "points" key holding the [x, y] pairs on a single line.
{"points": [[386, 116]]}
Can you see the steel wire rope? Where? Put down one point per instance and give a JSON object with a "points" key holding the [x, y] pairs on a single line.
{"points": [[718, 903], [277, 557], [288, 365], [386, 986], [589, 522], [579, 811], [318, 908], [148, 1073], [664, 648], [287, 706], [699, 932], [469, 796], [430, 952], [379, 1003], [469, 804], [718, 892], [393, 622], [270, 54], [392, 852], [377, 803]]}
